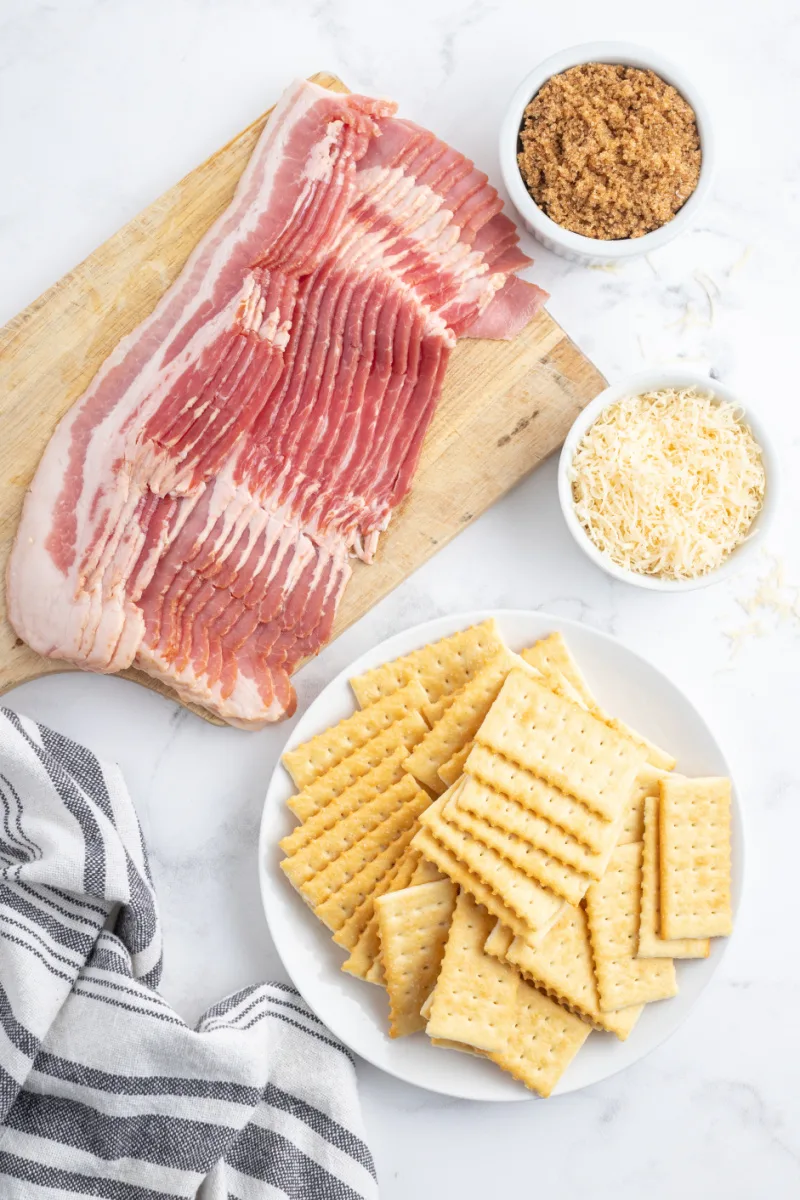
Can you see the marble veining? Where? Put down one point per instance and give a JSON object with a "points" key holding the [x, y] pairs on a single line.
{"points": [[104, 106]]}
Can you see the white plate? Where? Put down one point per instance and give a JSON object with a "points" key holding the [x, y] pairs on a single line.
{"points": [[355, 1011]]}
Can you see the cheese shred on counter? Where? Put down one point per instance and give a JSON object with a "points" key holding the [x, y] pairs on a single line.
{"points": [[668, 483]]}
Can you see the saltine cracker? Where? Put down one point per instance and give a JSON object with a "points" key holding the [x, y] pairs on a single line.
{"points": [[650, 943], [695, 836], [542, 1040], [474, 992], [612, 910], [414, 924]]}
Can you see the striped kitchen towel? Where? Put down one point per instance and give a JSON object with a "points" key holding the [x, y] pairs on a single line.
{"points": [[104, 1090]]}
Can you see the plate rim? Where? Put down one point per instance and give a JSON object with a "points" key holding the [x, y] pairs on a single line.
{"points": [[464, 620]]}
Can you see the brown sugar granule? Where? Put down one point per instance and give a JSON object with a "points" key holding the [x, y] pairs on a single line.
{"points": [[609, 151]]}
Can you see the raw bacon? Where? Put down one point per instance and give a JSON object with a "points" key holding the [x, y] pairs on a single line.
{"points": [[195, 512]]}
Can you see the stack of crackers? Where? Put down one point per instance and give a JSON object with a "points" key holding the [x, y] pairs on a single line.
{"points": [[513, 864]]}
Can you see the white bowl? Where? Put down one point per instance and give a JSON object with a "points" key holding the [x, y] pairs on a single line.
{"points": [[636, 385], [575, 246]]}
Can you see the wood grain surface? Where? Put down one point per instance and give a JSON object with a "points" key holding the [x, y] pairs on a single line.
{"points": [[505, 406]]}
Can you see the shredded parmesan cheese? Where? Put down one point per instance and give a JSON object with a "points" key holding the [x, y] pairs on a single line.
{"points": [[737, 637], [771, 593], [668, 483]]}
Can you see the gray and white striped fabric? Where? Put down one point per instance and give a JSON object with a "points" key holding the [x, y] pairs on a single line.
{"points": [[104, 1090]]}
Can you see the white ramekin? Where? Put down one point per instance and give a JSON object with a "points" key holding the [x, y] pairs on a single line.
{"points": [[636, 385], [575, 246]]}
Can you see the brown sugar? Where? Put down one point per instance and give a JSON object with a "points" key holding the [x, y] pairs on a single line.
{"points": [[609, 151]]}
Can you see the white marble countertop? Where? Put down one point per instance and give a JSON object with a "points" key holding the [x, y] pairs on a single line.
{"points": [[104, 106]]}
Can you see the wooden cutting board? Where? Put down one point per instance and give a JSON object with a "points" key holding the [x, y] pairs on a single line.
{"points": [[505, 407]]}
